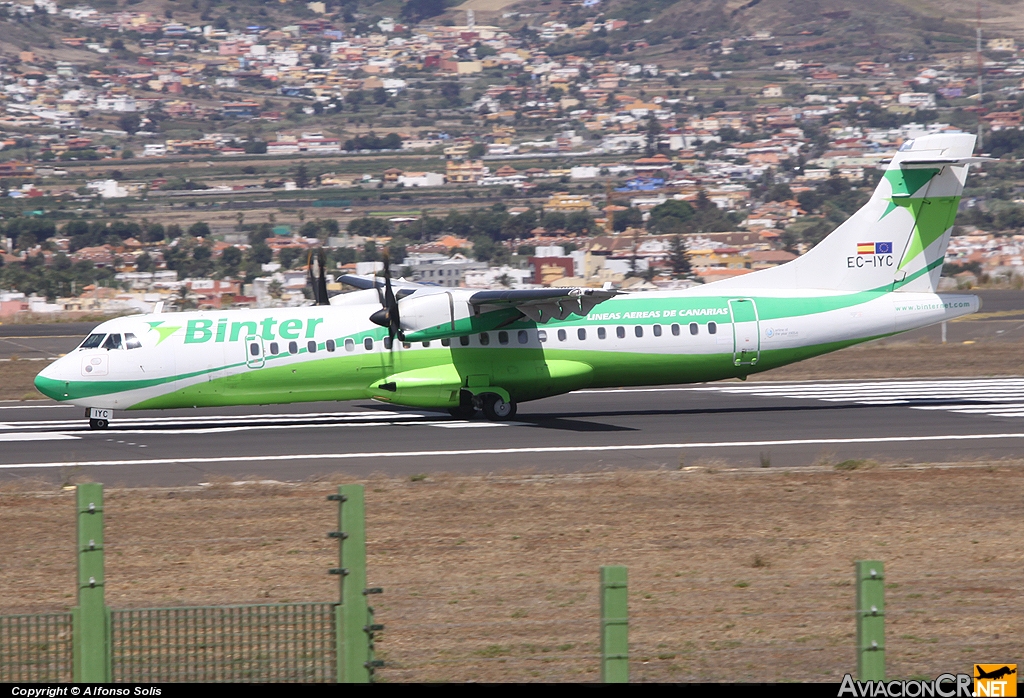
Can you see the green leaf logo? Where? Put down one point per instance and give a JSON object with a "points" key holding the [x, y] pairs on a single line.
{"points": [[165, 331]]}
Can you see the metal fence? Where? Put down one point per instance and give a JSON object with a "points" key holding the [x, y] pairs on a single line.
{"points": [[35, 648], [285, 642], [292, 642]]}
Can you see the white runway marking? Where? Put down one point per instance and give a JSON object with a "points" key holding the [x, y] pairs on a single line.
{"points": [[514, 451], [45, 436], [993, 397]]}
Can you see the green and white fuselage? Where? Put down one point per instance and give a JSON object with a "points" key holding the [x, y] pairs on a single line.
{"points": [[841, 293]]}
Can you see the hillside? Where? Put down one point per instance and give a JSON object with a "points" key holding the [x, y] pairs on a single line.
{"points": [[828, 30]]}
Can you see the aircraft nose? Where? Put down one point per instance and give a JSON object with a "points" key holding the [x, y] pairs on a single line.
{"points": [[50, 383]]}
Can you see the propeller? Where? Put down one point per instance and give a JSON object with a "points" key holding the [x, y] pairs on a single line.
{"points": [[318, 276], [388, 315]]}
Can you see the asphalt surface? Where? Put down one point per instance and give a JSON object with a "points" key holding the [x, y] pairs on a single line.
{"points": [[739, 424], [1001, 319]]}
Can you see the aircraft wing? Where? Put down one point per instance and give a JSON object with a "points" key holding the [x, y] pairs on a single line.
{"points": [[543, 304], [365, 282]]}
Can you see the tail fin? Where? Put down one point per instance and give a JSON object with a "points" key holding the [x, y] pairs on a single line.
{"points": [[898, 239]]}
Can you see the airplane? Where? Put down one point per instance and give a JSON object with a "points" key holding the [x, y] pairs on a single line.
{"points": [[468, 350]]}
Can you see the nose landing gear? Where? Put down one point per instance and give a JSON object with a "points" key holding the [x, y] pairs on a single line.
{"points": [[98, 419]]}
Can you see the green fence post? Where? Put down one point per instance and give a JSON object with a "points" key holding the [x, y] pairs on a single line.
{"points": [[353, 617], [870, 620], [614, 625], [90, 638]]}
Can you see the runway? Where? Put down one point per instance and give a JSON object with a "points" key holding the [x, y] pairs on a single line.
{"points": [[757, 424]]}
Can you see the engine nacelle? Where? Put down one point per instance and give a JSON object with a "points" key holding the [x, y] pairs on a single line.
{"points": [[440, 314]]}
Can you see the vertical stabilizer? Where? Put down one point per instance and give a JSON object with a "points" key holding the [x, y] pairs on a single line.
{"points": [[898, 239]]}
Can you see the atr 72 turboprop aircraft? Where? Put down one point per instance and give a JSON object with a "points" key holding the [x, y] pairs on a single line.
{"points": [[465, 350]]}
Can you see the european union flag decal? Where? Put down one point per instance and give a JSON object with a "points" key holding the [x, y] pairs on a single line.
{"points": [[883, 248]]}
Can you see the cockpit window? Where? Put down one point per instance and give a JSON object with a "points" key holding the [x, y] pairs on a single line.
{"points": [[113, 342], [131, 341], [92, 341]]}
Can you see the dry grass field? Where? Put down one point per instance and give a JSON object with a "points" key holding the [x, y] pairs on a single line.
{"points": [[739, 575]]}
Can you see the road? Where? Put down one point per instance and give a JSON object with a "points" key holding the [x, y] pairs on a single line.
{"points": [[744, 424]]}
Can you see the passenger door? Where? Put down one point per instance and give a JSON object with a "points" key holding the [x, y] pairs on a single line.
{"points": [[746, 335]]}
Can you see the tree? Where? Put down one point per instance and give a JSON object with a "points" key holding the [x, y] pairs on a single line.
{"points": [[653, 130], [679, 258], [670, 217], [129, 122], [288, 255], [199, 229], [301, 176], [450, 91], [630, 218], [144, 262]]}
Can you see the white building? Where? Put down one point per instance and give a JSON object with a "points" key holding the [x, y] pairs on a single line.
{"points": [[116, 103], [919, 100], [421, 179]]}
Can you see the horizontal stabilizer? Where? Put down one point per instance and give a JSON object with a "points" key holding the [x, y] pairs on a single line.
{"points": [[942, 162]]}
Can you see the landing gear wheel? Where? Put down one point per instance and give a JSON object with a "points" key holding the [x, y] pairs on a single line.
{"points": [[98, 424], [462, 411], [496, 409]]}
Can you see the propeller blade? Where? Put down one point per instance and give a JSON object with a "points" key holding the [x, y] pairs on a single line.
{"points": [[318, 276], [391, 303]]}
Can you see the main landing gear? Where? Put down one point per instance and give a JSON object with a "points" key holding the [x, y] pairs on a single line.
{"points": [[494, 406]]}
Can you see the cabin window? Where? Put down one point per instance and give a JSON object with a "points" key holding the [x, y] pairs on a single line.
{"points": [[675, 330], [311, 346], [657, 330], [254, 349], [350, 345], [542, 335], [485, 339], [503, 337], [131, 341], [712, 327], [387, 343], [561, 335], [524, 336], [406, 345], [293, 347], [92, 341], [274, 349], [113, 342], [331, 346], [638, 331], [426, 345], [368, 344], [694, 328], [620, 332], [446, 342], [601, 334], [581, 333], [464, 340]]}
